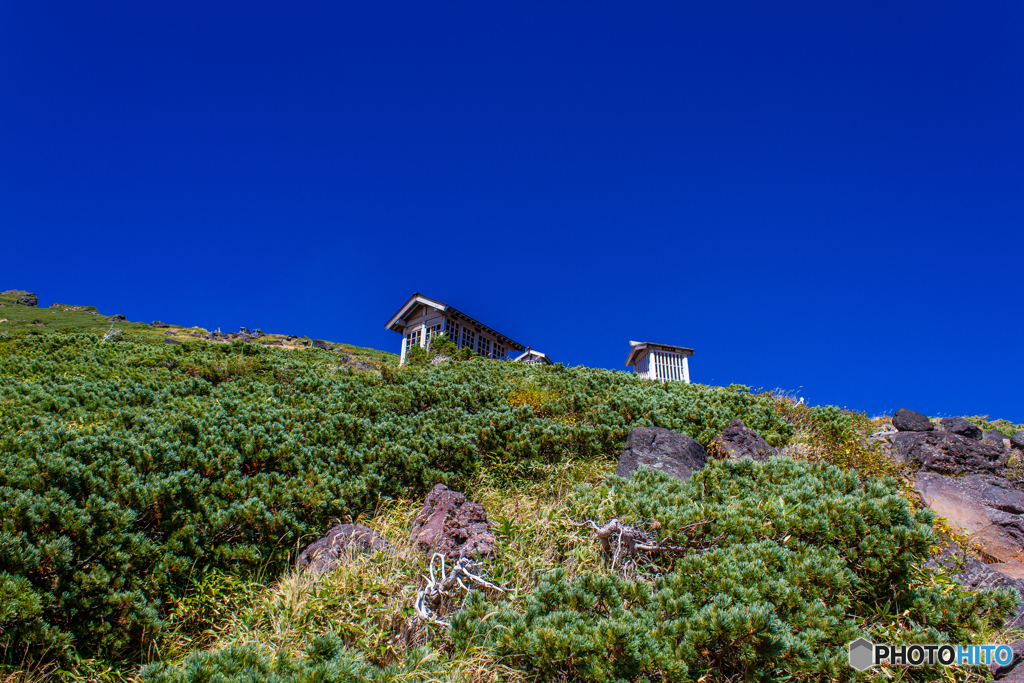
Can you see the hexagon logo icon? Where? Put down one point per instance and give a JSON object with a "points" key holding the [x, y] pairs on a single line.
{"points": [[861, 654]]}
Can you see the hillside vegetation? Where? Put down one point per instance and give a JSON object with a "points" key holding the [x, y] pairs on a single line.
{"points": [[155, 495]]}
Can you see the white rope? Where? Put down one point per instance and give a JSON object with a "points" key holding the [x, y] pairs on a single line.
{"points": [[429, 599]]}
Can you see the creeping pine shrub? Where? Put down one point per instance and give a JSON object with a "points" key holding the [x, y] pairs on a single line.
{"points": [[776, 567], [128, 469], [325, 661]]}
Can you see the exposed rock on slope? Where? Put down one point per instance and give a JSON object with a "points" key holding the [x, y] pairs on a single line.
{"points": [[738, 441], [453, 526], [958, 425], [945, 452], [985, 506], [906, 420], [341, 542], [677, 455]]}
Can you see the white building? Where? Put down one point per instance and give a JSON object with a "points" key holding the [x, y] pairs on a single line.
{"points": [[659, 361], [532, 357], [421, 319]]}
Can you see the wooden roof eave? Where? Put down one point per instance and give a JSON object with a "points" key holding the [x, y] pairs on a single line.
{"points": [[640, 347], [398, 319]]}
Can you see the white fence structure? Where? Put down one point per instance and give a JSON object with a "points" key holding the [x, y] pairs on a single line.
{"points": [[662, 362]]}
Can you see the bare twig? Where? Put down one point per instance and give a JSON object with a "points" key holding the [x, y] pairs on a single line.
{"points": [[429, 599]]}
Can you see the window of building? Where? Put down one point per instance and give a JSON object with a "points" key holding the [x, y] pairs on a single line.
{"points": [[483, 346], [432, 332], [468, 337], [413, 338], [499, 352], [452, 328]]}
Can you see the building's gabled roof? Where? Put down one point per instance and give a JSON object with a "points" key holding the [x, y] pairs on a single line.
{"points": [[398, 322], [639, 348], [540, 356]]}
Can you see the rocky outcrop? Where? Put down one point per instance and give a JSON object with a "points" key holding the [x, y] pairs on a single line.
{"points": [[30, 300], [986, 507], [157, 323], [342, 542], [677, 455], [958, 425], [994, 438], [737, 441], [453, 526], [945, 452], [906, 420], [1017, 441], [320, 344], [118, 318]]}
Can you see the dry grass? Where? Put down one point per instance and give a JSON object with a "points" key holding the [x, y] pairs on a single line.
{"points": [[368, 602]]}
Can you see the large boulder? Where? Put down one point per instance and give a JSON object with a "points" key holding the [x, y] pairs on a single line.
{"points": [[677, 455], [906, 420], [984, 506], [453, 526], [320, 344], [737, 441], [341, 543], [945, 453], [1017, 441], [30, 300], [994, 438], [958, 425]]}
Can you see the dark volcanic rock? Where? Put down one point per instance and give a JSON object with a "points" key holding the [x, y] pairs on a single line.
{"points": [[677, 455], [117, 318], [30, 300], [453, 526], [157, 323], [738, 441], [984, 506], [994, 438], [341, 542], [1017, 441], [906, 420], [977, 575], [318, 344], [945, 452], [958, 425], [1012, 672]]}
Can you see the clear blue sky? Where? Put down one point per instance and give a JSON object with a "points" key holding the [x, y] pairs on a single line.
{"points": [[826, 195]]}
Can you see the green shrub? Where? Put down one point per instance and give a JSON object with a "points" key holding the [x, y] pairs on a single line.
{"points": [[780, 565], [126, 469], [326, 661]]}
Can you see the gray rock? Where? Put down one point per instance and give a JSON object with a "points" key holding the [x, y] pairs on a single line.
{"points": [[453, 526], [1012, 672], [958, 425], [319, 344], [986, 507], [157, 323], [738, 441], [906, 420], [175, 342], [1017, 441], [341, 543], [946, 453], [30, 300], [117, 318], [994, 438], [677, 455]]}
